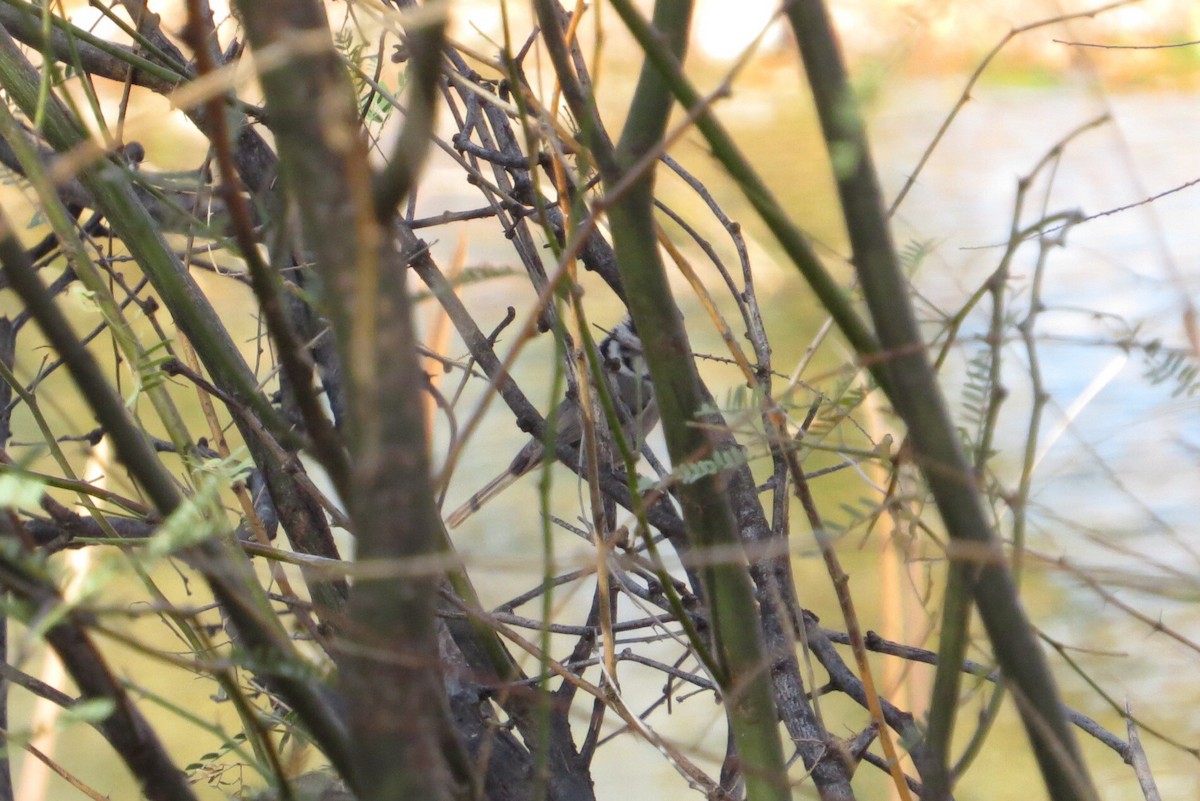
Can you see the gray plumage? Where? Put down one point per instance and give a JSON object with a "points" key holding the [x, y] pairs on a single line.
{"points": [[629, 384]]}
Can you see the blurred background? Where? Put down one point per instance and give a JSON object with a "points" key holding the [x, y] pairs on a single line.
{"points": [[1113, 573]]}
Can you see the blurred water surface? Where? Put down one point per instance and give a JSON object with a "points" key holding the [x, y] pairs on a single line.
{"points": [[1115, 484]]}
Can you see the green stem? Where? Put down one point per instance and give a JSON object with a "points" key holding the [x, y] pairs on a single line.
{"points": [[24, 21], [912, 387], [832, 296], [741, 664]]}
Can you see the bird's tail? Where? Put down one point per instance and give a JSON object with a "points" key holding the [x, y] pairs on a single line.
{"points": [[476, 501]]}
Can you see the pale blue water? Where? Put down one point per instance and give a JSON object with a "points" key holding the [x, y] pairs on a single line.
{"points": [[1132, 271], [1117, 489], [1123, 473]]}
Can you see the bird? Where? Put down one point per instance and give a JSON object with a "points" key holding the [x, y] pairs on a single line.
{"points": [[623, 365]]}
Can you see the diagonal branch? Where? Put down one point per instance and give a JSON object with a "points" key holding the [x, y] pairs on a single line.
{"points": [[912, 387]]}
